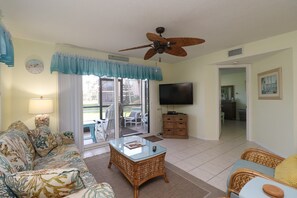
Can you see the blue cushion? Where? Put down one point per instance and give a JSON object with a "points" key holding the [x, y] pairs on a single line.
{"points": [[250, 165], [233, 195]]}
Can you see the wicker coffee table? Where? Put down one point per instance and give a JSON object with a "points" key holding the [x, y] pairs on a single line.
{"points": [[138, 164]]}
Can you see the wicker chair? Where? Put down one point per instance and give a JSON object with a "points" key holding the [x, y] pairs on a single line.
{"points": [[254, 162]]}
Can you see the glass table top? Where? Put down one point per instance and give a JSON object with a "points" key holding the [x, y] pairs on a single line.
{"points": [[142, 152]]}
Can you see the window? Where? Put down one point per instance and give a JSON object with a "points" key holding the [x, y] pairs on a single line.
{"points": [[91, 110]]}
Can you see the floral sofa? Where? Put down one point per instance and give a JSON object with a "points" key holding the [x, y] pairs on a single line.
{"points": [[37, 163]]}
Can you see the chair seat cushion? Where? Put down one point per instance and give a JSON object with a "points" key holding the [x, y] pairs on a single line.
{"points": [[251, 165], [286, 171], [65, 156]]}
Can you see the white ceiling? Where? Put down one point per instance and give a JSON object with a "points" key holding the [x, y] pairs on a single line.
{"points": [[111, 25]]}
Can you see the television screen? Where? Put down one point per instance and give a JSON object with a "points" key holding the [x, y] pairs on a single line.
{"points": [[176, 94]]}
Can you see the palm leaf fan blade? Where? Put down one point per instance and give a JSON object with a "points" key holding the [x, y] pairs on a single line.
{"points": [[185, 41], [150, 53]]}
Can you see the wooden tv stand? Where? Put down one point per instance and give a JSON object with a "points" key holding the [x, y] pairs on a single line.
{"points": [[175, 126]]}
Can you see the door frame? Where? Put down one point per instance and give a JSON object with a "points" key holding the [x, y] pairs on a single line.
{"points": [[248, 97]]}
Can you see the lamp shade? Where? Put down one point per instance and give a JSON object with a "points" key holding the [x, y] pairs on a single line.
{"points": [[40, 106]]}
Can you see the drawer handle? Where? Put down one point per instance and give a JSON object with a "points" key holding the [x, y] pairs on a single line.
{"points": [[180, 119], [181, 123], [168, 119]]}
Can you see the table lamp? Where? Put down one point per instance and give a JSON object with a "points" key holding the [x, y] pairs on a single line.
{"points": [[41, 107]]}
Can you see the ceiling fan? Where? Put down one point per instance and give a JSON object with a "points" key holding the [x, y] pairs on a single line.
{"points": [[171, 46]]}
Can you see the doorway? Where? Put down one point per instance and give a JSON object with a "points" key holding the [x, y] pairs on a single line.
{"points": [[233, 99]]}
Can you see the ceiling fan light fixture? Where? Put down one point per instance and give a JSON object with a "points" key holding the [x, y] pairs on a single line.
{"points": [[160, 50]]}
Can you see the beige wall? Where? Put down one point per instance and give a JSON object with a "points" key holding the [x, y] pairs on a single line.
{"points": [[273, 120], [18, 85], [203, 71]]}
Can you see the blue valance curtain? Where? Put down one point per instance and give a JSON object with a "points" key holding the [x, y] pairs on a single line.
{"points": [[74, 64], [6, 47]]}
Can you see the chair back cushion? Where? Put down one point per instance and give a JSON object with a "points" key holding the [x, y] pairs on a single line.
{"points": [[250, 165], [286, 171]]}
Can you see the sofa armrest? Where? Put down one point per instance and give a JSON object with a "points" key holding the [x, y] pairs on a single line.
{"points": [[241, 176], [97, 190], [262, 157], [65, 137]]}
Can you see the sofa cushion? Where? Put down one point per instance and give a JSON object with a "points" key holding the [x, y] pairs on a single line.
{"points": [[286, 171], [20, 126], [14, 148], [5, 168], [45, 183], [65, 156], [43, 140], [97, 190]]}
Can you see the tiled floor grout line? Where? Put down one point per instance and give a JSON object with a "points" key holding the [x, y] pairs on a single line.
{"points": [[211, 160]]}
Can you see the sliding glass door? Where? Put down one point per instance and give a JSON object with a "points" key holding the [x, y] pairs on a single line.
{"points": [[99, 113]]}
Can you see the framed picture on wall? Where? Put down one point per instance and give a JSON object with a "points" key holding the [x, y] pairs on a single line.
{"points": [[270, 84]]}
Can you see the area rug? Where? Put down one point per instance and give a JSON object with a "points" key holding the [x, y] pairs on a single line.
{"points": [[153, 138], [181, 184], [128, 131]]}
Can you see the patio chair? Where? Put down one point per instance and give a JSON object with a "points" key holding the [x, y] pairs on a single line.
{"points": [[259, 163], [133, 118], [105, 128], [144, 121]]}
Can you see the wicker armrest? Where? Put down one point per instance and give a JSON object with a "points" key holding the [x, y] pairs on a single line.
{"points": [[240, 177], [262, 157]]}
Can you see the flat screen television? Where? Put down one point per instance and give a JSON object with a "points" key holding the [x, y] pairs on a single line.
{"points": [[176, 94]]}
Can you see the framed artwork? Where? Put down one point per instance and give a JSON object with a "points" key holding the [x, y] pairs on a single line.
{"points": [[270, 84]]}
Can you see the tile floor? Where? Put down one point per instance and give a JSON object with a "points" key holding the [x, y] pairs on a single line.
{"points": [[207, 160]]}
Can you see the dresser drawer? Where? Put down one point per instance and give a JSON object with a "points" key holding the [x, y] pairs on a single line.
{"points": [[167, 118], [180, 119], [169, 131], [169, 125], [181, 125], [180, 131]]}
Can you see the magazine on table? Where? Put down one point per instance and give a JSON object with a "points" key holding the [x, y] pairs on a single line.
{"points": [[134, 144]]}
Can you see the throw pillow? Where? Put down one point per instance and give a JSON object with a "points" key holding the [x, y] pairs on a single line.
{"points": [[45, 182], [43, 140], [67, 137], [20, 126], [286, 171], [97, 190]]}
